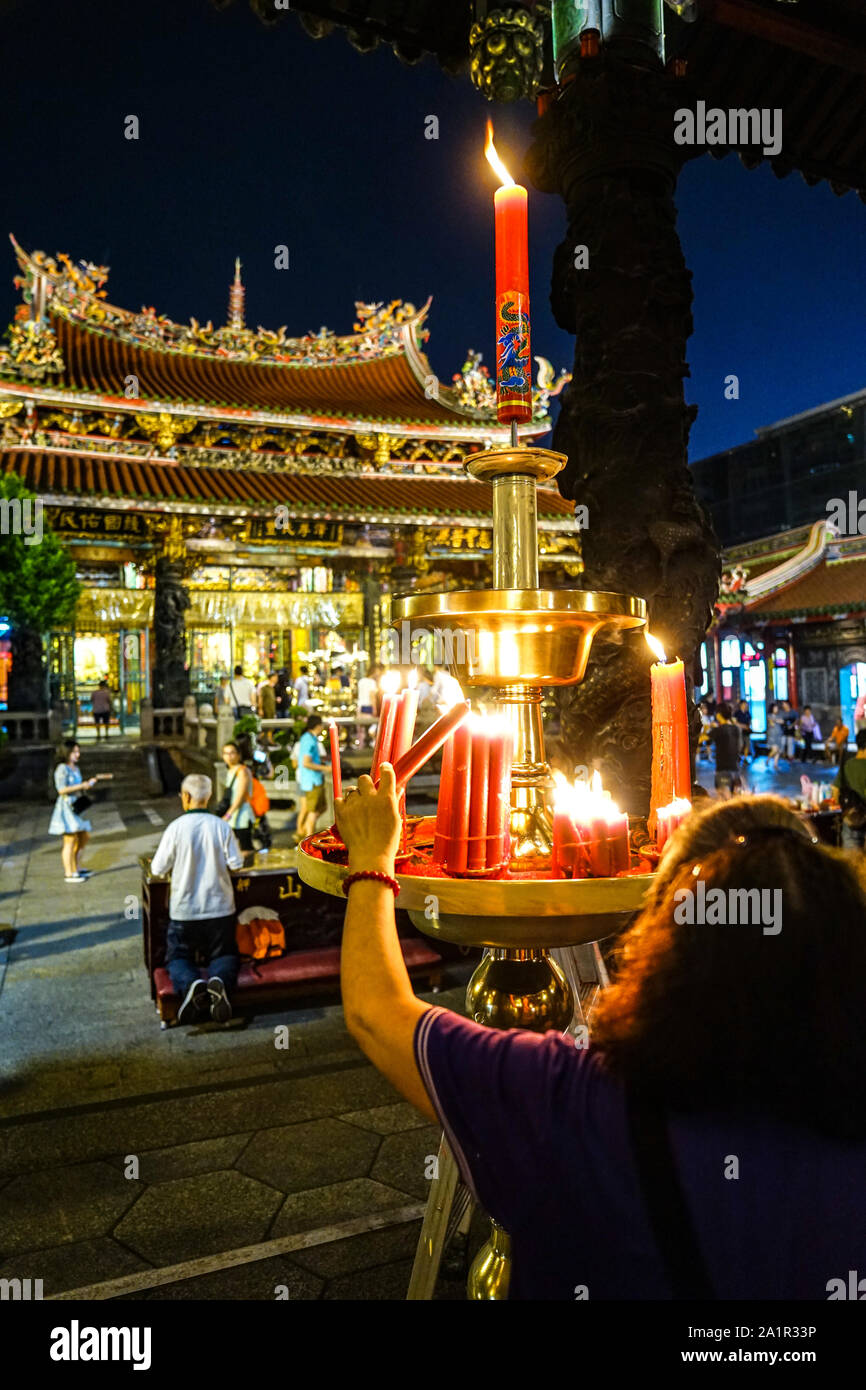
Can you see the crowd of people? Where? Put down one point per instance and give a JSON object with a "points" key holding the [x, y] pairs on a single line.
{"points": [[789, 731]]}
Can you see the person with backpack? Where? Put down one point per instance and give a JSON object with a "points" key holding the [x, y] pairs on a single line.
{"points": [[198, 849], [239, 813], [243, 695], [850, 787]]}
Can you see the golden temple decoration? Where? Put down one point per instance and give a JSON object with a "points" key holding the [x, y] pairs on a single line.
{"points": [[165, 429], [287, 609], [9, 408], [174, 542], [98, 608]]}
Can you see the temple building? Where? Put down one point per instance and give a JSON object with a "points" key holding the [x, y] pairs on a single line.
{"points": [[236, 495]]}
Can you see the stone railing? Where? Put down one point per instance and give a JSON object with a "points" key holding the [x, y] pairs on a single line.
{"points": [[27, 727], [161, 723]]}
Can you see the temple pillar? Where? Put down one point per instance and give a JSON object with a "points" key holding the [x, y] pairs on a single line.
{"points": [[170, 602], [620, 284]]}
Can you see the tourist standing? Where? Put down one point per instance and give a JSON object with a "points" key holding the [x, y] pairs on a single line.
{"points": [[368, 691], [198, 850], [301, 687], [725, 738], [811, 731], [789, 730], [775, 735], [242, 694], [268, 697], [239, 785], [282, 697], [65, 820], [743, 719], [311, 777], [100, 704]]}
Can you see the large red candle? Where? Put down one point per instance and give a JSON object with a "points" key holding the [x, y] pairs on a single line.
{"points": [[479, 785], [617, 839], [513, 359], [404, 724], [457, 848], [499, 795], [429, 743], [671, 764], [336, 770], [443, 804], [385, 734]]}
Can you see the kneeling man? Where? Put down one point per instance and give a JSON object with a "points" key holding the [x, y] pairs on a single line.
{"points": [[198, 849]]}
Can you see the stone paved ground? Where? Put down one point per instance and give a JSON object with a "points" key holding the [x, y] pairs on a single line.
{"points": [[125, 1149]]}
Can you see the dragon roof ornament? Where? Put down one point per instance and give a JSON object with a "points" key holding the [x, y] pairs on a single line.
{"points": [[76, 292]]}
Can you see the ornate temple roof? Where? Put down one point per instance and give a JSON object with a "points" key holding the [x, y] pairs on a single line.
{"points": [[821, 575], [62, 476], [67, 338]]}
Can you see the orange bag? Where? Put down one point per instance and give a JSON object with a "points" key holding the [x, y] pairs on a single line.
{"points": [[259, 799], [260, 938]]}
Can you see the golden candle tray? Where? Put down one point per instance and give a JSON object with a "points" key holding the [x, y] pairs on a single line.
{"points": [[527, 912]]}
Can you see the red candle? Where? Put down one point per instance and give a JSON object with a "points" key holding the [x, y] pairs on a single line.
{"points": [[599, 849], [567, 859], [385, 734], [513, 360], [669, 818], [457, 848], [617, 839], [479, 786], [429, 743], [443, 804], [404, 724], [499, 795], [336, 770], [671, 764]]}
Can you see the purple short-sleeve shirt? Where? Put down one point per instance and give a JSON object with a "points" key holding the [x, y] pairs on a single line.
{"points": [[540, 1133]]}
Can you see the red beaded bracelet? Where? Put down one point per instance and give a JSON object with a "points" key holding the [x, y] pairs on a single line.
{"points": [[375, 876]]}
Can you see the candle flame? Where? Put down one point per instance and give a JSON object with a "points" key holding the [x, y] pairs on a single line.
{"points": [[678, 807], [583, 801], [656, 646], [390, 682], [494, 161]]}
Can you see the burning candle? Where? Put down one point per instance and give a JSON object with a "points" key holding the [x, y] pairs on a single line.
{"points": [[671, 763], [590, 833], [567, 849], [390, 684], [513, 361], [669, 818], [336, 769], [617, 839], [443, 803]]}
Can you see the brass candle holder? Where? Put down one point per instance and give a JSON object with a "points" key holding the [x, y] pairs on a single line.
{"points": [[517, 639]]}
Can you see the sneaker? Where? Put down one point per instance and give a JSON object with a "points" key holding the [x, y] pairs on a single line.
{"points": [[76, 878], [195, 1005], [220, 1008]]}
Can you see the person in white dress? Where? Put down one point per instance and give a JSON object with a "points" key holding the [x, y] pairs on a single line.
{"points": [[64, 820]]}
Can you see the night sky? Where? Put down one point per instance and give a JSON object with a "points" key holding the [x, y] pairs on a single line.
{"points": [[254, 137]]}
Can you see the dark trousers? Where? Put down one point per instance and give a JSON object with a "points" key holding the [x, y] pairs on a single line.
{"points": [[210, 938]]}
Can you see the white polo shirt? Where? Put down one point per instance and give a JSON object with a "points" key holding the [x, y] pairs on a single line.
{"points": [[198, 849]]}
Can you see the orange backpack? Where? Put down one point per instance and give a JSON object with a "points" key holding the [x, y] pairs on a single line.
{"points": [[259, 799], [260, 935]]}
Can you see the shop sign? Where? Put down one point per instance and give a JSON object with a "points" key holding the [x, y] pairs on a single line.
{"points": [[289, 528], [74, 521]]}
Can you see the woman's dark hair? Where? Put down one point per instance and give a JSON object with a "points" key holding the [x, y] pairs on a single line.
{"points": [[313, 722], [230, 743], [62, 754], [730, 1017]]}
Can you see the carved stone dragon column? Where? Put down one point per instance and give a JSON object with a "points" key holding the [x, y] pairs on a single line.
{"points": [[170, 602], [620, 284]]}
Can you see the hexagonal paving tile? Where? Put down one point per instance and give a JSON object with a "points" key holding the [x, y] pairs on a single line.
{"points": [[387, 1119], [295, 1157], [181, 1220], [56, 1206], [246, 1282], [73, 1266], [402, 1160], [339, 1201]]}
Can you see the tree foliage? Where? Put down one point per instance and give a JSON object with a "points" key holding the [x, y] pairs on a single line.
{"points": [[38, 588]]}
